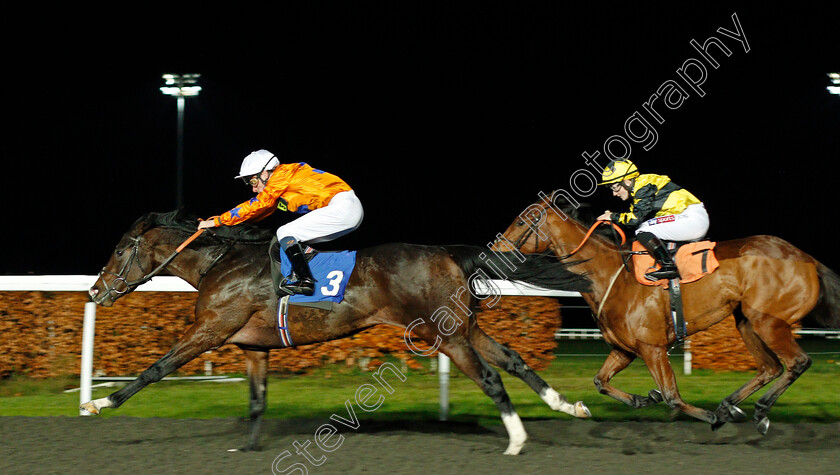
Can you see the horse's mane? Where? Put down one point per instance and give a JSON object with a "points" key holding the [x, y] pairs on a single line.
{"points": [[187, 222], [583, 213]]}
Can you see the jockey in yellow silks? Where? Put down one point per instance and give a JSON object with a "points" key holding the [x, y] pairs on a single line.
{"points": [[660, 210]]}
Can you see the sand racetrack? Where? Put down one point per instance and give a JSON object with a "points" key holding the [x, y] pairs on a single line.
{"points": [[150, 445]]}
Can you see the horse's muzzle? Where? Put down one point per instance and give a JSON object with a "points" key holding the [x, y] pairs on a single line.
{"points": [[100, 298]]}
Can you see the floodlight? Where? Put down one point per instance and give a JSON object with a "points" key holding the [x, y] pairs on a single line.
{"points": [[835, 79], [180, 86]]}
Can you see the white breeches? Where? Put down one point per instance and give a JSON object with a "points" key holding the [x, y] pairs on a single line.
{"points": [[342, 215], [691, 224]]}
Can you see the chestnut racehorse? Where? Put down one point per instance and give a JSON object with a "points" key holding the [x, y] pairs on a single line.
{"points": [[764, 281], [394, 284]]}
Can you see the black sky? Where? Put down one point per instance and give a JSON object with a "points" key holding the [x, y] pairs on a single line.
{"points": [[447, 119]]}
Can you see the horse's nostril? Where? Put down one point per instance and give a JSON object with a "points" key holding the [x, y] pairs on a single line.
{"points": [[93, 291]]}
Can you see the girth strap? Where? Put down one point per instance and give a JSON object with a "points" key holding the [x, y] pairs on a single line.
{"points": [[677, 315]]}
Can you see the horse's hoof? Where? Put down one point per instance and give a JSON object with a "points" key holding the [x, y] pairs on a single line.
{"points": [[714, 420], [719, 421], [581, 410], [516, 444], [95, 407], [90, 407], [514, 448], [762, 425], [737, 415], [728, 413], [655, 395]]}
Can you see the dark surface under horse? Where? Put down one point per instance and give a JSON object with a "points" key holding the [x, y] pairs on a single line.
{"points": [[150, 445]]}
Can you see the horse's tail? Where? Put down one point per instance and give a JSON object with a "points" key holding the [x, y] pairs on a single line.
{"points": [[544, 271], [827, 310]]}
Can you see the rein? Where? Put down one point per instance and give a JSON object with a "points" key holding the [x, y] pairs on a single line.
{"points": [[126, 286], [589, 233]]}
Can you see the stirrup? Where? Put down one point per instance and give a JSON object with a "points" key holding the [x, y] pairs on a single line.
{"points": [[303, 287], [664, 272]]}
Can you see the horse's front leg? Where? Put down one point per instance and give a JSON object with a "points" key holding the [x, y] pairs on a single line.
{"points": [[617, 361], [656, 358], [205, 334]]}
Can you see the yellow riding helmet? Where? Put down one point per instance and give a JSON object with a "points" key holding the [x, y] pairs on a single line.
{"points": [[618, 170]]}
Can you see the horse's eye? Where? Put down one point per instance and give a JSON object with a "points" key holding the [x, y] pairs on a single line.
{"points": [[119, 253], [520, 223]]}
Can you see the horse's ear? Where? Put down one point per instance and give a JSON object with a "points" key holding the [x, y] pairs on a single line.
{"points": [[185, 216], [563, 200], [145, 223]]}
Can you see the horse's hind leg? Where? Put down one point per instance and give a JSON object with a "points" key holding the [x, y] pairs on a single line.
{"points": [[257, 364], [768, 368], [778, 336], [616, 362], [488, 379], [509, 360]]}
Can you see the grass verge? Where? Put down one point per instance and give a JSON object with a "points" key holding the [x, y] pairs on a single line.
{"points": [[814, 397]]}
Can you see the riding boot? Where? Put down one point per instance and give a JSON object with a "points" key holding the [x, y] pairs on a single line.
{"points": [[306, 283], [656, 248]]}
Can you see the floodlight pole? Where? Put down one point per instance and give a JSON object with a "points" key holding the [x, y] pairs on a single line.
{"points": [[179, 155], [181, 86]]}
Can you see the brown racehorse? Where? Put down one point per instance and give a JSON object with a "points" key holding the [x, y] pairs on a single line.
{"points": [[767, 283], [395, 284]]}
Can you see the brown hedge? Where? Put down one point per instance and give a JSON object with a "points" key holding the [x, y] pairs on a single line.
{"points": [[41, 334]]}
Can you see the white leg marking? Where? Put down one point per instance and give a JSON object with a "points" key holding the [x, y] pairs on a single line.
{"points": [[516, 432], [558, 402], [95, 406]]}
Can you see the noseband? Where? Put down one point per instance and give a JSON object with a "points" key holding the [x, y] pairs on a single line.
{"points": [[533, 228], [120, 285]]}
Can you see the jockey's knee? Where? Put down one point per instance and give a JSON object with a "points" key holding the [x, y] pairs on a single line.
{"points": [[286, 242]]}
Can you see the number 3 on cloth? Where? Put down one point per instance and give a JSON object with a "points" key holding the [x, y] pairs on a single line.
{"points": [[334, 284]]}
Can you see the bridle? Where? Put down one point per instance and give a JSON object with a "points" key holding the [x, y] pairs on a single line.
{"points": [[533, 229], [120, 284]]}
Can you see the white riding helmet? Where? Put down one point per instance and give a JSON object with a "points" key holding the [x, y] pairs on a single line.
{"points": [[257, 162]]}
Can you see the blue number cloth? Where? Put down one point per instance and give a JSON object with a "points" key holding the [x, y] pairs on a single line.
{"points": [[331, 271]]}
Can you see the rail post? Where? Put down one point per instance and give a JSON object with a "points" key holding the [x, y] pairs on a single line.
{"points": [[88, 329], [443, 378]]}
